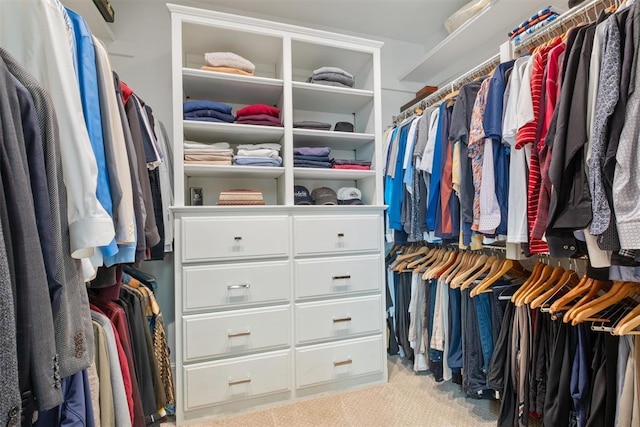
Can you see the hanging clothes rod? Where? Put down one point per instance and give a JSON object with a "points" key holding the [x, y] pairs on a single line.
{"points": [[575, 15]]}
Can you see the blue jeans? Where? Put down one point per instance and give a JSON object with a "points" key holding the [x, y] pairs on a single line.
{"points": [[483, 311]]}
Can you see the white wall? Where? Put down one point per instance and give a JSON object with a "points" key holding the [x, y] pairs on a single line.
{"points": [[146, 26]]}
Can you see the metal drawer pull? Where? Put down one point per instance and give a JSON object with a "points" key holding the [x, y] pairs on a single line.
{"points": [[346, 276], [340, 234], [237, 238], [237, 382], [239, 334], [342, 319], [343, 362], [243, 286]]}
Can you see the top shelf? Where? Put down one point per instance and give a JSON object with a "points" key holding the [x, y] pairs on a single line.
{"points": [[475, 40]]}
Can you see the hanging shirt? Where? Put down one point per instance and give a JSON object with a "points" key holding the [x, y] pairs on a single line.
{"points": [[476, 148], [433, 204], [517, 214]]}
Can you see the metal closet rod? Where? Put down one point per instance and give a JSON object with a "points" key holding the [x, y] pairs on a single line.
{"points": [[571, 16]]}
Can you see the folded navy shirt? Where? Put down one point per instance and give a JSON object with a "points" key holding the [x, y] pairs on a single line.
{"points": [[312, 158], [203, 104], [312, 151], [209, 113], [311, 164]]}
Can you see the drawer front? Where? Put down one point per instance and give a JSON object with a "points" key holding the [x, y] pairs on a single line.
{"points": [[219, 286], [337, 276], [211, 383], [231, 333], [234, 238], [336, 234], [346, 318], [333, 362]]}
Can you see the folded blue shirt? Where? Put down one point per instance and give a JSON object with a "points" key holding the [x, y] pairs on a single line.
{"points": [[203, 104], [209, 113], [257, 161]]}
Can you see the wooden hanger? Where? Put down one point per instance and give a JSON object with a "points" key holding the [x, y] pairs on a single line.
{"points": [[448, 275], [418, 261], [495, 267], [428, 261], [444, 261], [618, 292], [483, 269], [629, 323], [545, 275], [535, 274], [568, 279], [462, 275], [592, 292], [583, 285], [440, 254], [551, 281], [507, 266]]}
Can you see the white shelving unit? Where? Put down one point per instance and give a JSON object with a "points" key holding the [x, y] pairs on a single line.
{"points": [[297, 290]]}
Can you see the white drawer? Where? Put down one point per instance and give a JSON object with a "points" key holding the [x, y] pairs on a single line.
{"points": [[345, 318], [220, 286], [235, 332], [234, 238], [337, 276], [243, 378], [336, 234], [332, 362]]}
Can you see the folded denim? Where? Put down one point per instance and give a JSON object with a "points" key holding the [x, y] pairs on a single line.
{"points": [[311, 164], [209, 113]]}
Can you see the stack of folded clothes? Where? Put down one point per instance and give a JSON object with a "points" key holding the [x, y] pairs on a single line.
{"points": [[351, 164], [228, 62], [267, 154], [310, 124], [207, 111], [311, 157], [332, 76], [533, 24], [241, 198], [259, 114], [198, 153]]}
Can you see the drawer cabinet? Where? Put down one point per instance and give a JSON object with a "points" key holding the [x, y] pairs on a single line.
{"points": [[223, 286], [243, 378], [336, 234], [337, 276], [338, 319], [235, 332], [332, 362], [206, 239]]}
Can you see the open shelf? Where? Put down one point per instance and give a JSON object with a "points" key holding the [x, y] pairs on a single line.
{"points": [[328, 138], [231, 132], [474, 41], [234, 88], [332, 174], [233, 171], [315, 97]]}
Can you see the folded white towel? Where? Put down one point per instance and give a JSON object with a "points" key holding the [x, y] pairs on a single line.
{"points": [[262, 152], [215, 145], [229, 59], [333, 70], [267, 145]]}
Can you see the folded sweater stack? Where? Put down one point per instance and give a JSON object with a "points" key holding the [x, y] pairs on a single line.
{"points": [[332, 76], [198, 153], [228, 62], [259, 114], [241, 198], [312, 157], [351, 164], [258, 155], [207, 111]]}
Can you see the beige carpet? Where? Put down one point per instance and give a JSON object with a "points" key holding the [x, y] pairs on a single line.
{"points": [[406, 400]]}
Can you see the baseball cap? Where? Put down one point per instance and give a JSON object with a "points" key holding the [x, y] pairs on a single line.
{"points": [[349, 196], [301, 195], [324, 196], [343, 127]]}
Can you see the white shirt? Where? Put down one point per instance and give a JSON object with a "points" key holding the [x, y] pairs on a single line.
{"points": [[489, 207], [517, 230], [427, 155], [34, 31]]}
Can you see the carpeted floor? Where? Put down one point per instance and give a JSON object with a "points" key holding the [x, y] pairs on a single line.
{"points": [[406, 400]]}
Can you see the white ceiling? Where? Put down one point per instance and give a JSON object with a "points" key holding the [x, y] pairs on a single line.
{"points": [[414, 21]]}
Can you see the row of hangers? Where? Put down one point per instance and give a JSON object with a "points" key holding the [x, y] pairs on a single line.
{"points": [[555, 290], [459, 269]]}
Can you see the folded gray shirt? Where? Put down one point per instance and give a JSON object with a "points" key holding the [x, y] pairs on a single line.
{"points": [[332, 70], [312, 151]]}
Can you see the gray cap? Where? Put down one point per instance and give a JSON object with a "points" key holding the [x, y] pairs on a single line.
{"points": [[324, 196]]}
